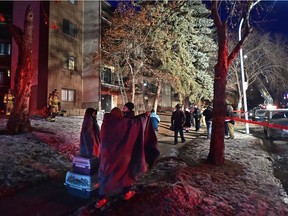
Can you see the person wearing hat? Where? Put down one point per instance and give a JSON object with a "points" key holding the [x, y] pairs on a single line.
{"points": [[8, 101], [128, 110], [177, 121], [54, 105]]}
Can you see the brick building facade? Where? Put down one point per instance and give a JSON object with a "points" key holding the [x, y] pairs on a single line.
{"points": [[66, 34]]}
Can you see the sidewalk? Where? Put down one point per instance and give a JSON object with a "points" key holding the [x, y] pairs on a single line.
{"points": [[51, 197]]}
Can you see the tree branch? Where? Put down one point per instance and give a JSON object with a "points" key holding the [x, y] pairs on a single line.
{"points": [[16, 33], [247, 31], [215, 15]]}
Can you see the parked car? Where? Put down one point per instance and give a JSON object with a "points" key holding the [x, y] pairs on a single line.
{"points": [[277, 117], [259, 115]]}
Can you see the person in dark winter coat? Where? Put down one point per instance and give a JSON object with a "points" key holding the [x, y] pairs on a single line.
{"points": [[128, 110], [187, 124], [177, 122], [90, 134], [208, 118], [197, 117]]}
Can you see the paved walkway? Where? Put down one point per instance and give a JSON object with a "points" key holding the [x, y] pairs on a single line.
{"points": [[166, 143]]}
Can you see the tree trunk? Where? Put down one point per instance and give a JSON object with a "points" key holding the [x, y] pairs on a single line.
{"points": [[239, 105], [133, 89], [157, 96], [19, 120], [216, 153], [217, 147]]}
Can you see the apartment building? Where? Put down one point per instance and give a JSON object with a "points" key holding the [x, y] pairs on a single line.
{"points": [[5, 50], [66, 35]]}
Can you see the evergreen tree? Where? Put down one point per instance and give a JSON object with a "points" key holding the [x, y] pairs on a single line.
{"points": [[164, 42], [187, 47]]}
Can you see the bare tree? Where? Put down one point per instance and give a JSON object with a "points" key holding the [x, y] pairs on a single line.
{"points": [[216, 153], [123, 43], [265, 61], [163, 42], [19, 119]]}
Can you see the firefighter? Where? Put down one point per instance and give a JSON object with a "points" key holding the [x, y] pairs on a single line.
{"points": [[8, 101], [53, 105]]}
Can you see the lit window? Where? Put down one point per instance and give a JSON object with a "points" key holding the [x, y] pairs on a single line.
{"points": [[1, 77], [69, 63], [2, 49], [69, 28], [5, 49], [8, 73], [106, 75], [68, 95], [73, 2], [8, 46]]}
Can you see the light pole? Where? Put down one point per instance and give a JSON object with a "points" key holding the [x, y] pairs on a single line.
{"points": [[244, 83]]}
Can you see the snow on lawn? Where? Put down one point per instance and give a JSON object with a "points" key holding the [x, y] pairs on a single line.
{"points": [[179, 184]]}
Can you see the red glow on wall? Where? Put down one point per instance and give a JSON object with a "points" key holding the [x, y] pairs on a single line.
{"points": [[54, 26], [2, 19]]}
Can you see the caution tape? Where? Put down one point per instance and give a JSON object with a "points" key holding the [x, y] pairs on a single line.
{"points": [[264, 124], [241, 111]]}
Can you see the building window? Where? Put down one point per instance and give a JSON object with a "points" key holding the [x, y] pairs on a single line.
{"points": [[68, 95], [73, 2], [5, 49], [1, 78], [152, 88], [106, 75], [70, 63], [69, 28]]}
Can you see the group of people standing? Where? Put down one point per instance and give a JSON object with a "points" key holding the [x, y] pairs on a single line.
{"points": [[126, 146], [182, 120]]}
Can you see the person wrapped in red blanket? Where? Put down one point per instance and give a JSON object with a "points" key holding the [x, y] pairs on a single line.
{"points": [[128, 148]]}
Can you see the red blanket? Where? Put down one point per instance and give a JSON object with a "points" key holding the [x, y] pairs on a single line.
{"points": [[128, 147]]}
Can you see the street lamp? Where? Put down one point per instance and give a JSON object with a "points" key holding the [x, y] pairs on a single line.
{"points": [[244, 83]]}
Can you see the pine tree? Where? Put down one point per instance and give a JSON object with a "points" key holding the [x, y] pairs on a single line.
{"points": [[171, 40]]}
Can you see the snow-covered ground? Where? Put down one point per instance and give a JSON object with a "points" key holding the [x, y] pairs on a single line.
{"points": [[47, 152], [181, 183]]}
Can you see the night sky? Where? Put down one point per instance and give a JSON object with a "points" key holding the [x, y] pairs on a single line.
{"points": [[274, 20]]}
